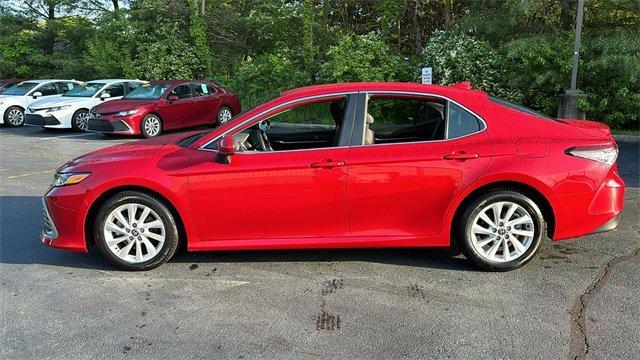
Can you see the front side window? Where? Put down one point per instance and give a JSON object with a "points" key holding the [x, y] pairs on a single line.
{"points": [[115, 90], [182, 91], [86, 90], [48, 89], [20, 89], [401, 119], [148, 91], [307, 126]]}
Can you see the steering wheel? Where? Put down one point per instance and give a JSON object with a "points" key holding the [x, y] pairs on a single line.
{"points": [[259, 134]]}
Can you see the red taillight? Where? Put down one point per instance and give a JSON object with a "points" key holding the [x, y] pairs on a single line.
{"points": [[602, 154]]}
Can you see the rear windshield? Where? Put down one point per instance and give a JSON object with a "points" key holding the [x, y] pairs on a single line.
{"points": [[519, 108], [148, 91], [20, 89]]}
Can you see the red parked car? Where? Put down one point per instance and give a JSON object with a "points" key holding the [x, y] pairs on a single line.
{"points": [[346, 166], [165, 105]]}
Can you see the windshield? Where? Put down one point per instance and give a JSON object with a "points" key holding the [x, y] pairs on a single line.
{"points": [[86, 90], [20, 89], [148, 91]]}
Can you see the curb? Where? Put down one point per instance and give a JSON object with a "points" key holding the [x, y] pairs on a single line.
{"points": [[627, 138]]}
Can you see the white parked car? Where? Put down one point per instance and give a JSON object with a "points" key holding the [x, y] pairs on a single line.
{"points": [[71, 110], [15, 99]]}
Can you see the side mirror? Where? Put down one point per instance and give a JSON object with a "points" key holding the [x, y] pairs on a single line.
{"points": [[36, 94], [104, 95], [171, 98], [226, 148]]}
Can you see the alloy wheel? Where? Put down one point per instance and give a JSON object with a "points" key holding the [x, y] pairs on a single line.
{"points": [[224, 116], [15, 117], [152, 126], [82, 121], [134, 233], [502, 231]]}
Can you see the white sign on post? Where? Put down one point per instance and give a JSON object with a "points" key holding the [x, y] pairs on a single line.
{"points": [[426, 75]]}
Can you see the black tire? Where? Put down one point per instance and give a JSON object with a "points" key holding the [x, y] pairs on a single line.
{"points": [[464, 235], [171, 240], [9, 112], [144, 129], [221, 113], [76, 122]]}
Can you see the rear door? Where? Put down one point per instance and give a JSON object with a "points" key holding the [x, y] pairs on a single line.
{"points": [[413, 155], [207, 102]]}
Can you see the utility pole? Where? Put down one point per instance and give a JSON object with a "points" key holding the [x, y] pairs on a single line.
{"points": [[568, 105]]}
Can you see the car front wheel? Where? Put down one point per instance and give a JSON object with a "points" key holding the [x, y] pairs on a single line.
{"points": [[151, 126], [501, 230], [80, 120], [135, 231], [14, 116]]}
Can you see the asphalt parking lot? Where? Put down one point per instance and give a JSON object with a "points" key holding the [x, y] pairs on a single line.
{"points": [[577, 297]]}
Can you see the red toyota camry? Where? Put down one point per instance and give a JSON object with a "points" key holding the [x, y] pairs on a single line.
{"points": [[153, 108], [358, 165]]}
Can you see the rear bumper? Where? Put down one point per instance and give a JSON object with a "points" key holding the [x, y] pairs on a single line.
{"points": [[36, 119], [592, 212]]}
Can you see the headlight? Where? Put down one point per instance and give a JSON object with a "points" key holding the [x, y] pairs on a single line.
{"points": [[125, 113], [62, 179], [58, 108], [605, 155]]}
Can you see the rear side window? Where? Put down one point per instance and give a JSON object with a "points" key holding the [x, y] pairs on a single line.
{"points": [[461, 122]]}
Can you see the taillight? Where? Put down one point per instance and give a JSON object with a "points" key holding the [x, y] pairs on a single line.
{"points": [[606, 155]]}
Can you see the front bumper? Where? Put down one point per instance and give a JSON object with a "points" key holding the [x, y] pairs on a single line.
{"points": [[105, 126], [37, 119], [64, 211]]}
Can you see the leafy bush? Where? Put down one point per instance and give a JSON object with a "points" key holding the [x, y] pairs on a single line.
{"points": [[457, 57]]}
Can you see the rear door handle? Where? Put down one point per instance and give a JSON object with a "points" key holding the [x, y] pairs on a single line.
{"points": [[327, 164], [460, 155]]}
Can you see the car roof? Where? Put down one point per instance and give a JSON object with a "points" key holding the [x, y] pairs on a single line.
{"points": [[40, 81], [380, 86], [114, 80], [175, 82]]}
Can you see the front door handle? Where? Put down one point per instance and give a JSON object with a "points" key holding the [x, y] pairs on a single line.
{"points": [[327, 164], [460, 155]]}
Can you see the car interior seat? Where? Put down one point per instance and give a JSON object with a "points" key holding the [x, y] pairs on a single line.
{"points": [[369, 135]]}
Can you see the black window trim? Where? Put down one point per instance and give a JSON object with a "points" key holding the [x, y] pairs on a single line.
{"points": [[358, 141], [347, 125]]}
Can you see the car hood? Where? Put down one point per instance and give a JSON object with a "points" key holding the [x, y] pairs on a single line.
{"points": [[142, 150], [57, 101], [113, 106]]}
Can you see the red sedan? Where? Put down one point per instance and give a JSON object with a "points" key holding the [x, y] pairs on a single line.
{"points": [[357, 165], [165, 105]]}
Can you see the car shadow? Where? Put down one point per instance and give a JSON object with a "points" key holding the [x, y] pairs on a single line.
{"points": [[21, 222]]}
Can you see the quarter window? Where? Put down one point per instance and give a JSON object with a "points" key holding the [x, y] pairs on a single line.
{"points": [[461, 122]]}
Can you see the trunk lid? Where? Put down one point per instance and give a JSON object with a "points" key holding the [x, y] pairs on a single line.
{"points": [[590, 128]]}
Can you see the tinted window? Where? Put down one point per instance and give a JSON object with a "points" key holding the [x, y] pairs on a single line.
{"points": [[115, 90], [182, 91], [148, 91], [461, 122], [48, 89], [398, 119], [517, 107], [20, 89], [86, 90], [203, 89]]}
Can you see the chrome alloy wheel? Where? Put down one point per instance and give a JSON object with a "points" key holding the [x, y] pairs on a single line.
{"points": [[134, 232], [502, 231], [152, 126], [224, 116], [15, 117], [82, 121]]}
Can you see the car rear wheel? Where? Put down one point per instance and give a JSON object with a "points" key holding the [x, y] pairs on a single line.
{"points": [[14, 116], [151, 126], [135, 231], [501, 230], [224, 115], [80, 120]]}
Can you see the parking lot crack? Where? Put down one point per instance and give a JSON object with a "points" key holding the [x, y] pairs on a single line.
{"points": [[579, 342]]}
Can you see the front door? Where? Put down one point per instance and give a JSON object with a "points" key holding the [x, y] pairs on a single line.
{"points": [[180, 112], [414, 156], [287, 192]]}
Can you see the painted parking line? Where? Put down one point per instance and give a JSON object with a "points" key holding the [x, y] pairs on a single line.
{"points": [[67, 136], [29, 174]]}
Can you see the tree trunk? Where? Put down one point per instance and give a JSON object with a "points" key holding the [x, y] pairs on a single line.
{"points": [[116, 5], [567, 14], [417, 32], [448, 18], [50, 37]]}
